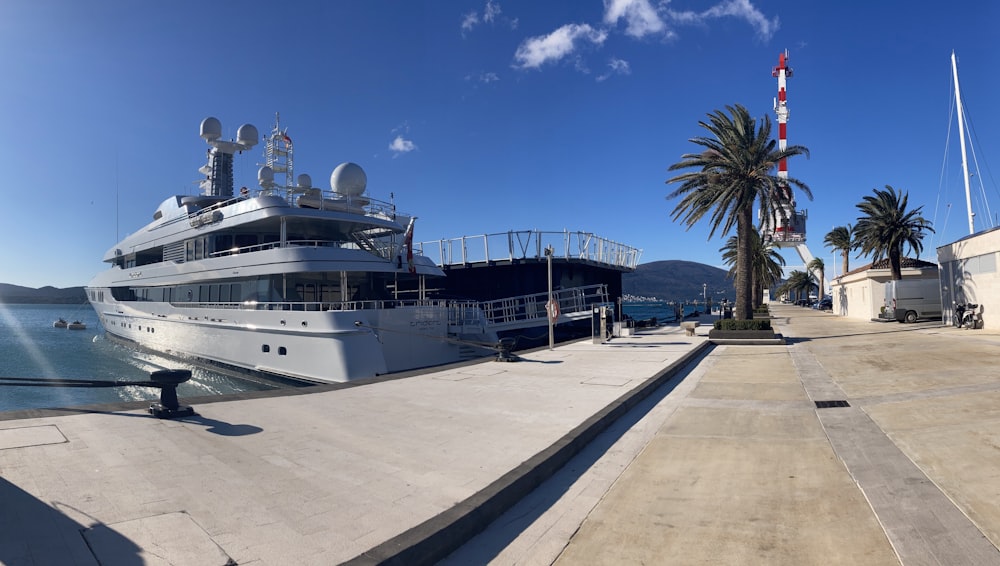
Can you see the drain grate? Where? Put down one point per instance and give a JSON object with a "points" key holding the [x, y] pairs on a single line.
{"points": [[829, 404]]}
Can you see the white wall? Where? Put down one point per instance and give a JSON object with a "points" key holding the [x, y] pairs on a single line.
{"points": [[861, 295], [969, 274]]}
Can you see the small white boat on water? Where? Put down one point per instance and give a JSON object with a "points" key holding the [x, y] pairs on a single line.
{"points": [[61, 323], [77, 325]]}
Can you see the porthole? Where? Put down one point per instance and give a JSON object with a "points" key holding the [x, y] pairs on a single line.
{"points": [[282, 351], [265, 348]]}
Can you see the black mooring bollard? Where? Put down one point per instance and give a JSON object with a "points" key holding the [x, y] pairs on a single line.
{"points": [[505, 348], [168, 380]]}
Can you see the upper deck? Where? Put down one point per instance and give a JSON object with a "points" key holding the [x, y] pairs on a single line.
{"points": [[529, 245]]}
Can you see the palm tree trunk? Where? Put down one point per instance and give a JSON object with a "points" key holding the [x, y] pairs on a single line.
{"points": [[744, 266], [895, 264], [846, 263]]}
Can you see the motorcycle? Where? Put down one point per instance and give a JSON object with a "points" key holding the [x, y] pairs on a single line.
{"points": [[966, 315]]}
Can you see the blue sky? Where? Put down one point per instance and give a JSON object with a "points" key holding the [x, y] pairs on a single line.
{"points": [[479, 116]]}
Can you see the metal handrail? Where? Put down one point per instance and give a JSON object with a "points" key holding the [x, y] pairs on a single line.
{"points": [[530, 244], [532, 307]]}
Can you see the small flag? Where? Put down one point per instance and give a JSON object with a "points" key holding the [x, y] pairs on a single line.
{"points": [[408, 239]]}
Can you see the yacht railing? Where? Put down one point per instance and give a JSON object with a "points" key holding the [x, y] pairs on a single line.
{"points": [[463, 316], [323, 305], [289, 243], [321, 200], [530, 244]]}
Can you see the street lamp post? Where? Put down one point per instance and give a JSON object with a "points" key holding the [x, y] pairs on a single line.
{"points": [[548, 259]]}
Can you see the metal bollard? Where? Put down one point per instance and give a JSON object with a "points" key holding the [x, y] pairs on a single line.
{"points": [[168, 380]]}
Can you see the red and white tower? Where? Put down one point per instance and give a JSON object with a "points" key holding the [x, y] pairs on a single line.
{"points": [[783, 72], [785, 227]]}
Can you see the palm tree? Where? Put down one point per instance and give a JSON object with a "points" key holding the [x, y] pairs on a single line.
{"points": [[887, 226], [800, 282], [735, 171], [817, 266], [841, 239], [767, 264]]}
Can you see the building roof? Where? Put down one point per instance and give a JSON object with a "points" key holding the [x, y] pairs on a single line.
{"points": [[904, 263]]}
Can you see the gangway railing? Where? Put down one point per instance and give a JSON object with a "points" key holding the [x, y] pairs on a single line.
{"points": [[528, 310], [530, 244]]}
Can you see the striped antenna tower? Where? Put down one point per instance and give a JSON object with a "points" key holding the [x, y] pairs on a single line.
{"points": [[785, 227]]}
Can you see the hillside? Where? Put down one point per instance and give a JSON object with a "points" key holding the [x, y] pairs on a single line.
{"points": [[677, 280], [15, 294]]}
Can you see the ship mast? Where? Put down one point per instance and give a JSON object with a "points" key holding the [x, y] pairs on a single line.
{"points": [[961, 139]]}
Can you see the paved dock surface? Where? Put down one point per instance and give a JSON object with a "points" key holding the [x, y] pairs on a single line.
{"points": [[737, 465], [726, 460], [318, 478]]}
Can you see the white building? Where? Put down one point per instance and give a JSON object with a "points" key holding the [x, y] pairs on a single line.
{"points": [[969, 275], [860, 293]]}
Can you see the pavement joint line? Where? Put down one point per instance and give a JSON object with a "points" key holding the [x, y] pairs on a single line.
{"points": [[439, 536], [923, 525], [928, 394]]}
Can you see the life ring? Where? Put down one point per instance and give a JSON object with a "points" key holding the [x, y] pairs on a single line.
{"points": [[553, 308]]}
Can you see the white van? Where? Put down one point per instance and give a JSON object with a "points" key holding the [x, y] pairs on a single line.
{"points": [[910, 300]]}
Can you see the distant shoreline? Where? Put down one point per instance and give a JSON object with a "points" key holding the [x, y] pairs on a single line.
{"points": [[17, 295]]}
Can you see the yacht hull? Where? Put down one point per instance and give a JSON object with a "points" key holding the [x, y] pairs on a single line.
{"points": [[308, 345]]}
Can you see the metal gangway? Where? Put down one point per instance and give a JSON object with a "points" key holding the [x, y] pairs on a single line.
{"points": [[527, 311]]}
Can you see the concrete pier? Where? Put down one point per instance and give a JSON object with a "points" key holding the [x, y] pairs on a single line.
{"points": [[653, 448]]}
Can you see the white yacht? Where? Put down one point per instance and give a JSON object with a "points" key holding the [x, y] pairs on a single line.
{"points": [[284, 279]]}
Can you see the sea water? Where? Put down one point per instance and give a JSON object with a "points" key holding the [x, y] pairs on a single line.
{"points": [[31, 347], [662, 311]]}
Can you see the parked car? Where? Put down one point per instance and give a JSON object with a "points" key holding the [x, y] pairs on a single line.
{"points": [[824, 304]]}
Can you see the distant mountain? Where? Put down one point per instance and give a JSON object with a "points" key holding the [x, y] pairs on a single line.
{"points": [[676, 280], [44, 295]]}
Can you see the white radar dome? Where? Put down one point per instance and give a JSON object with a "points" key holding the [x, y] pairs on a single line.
{"points": [[265, 175], [211, 129], [247, 135], [304, 181], [348, 179]]}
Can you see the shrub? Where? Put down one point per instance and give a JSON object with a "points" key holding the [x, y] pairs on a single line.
{"points": [[732, 324]]}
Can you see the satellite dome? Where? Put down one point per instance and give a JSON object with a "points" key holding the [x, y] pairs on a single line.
{"points": [[348, 179], [211, 129], [247, 135], [265, 175], [304, 181]]}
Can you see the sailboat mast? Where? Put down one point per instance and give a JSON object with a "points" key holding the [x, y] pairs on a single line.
{"points": [[961, 138]]}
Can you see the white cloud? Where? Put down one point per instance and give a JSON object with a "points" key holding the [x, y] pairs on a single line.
{"points": [[617, 67], [401, 145], [487, 78], [491, 15], [469, 21], [536, 51], [640, 16], [742, 9], [491, 11]]}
